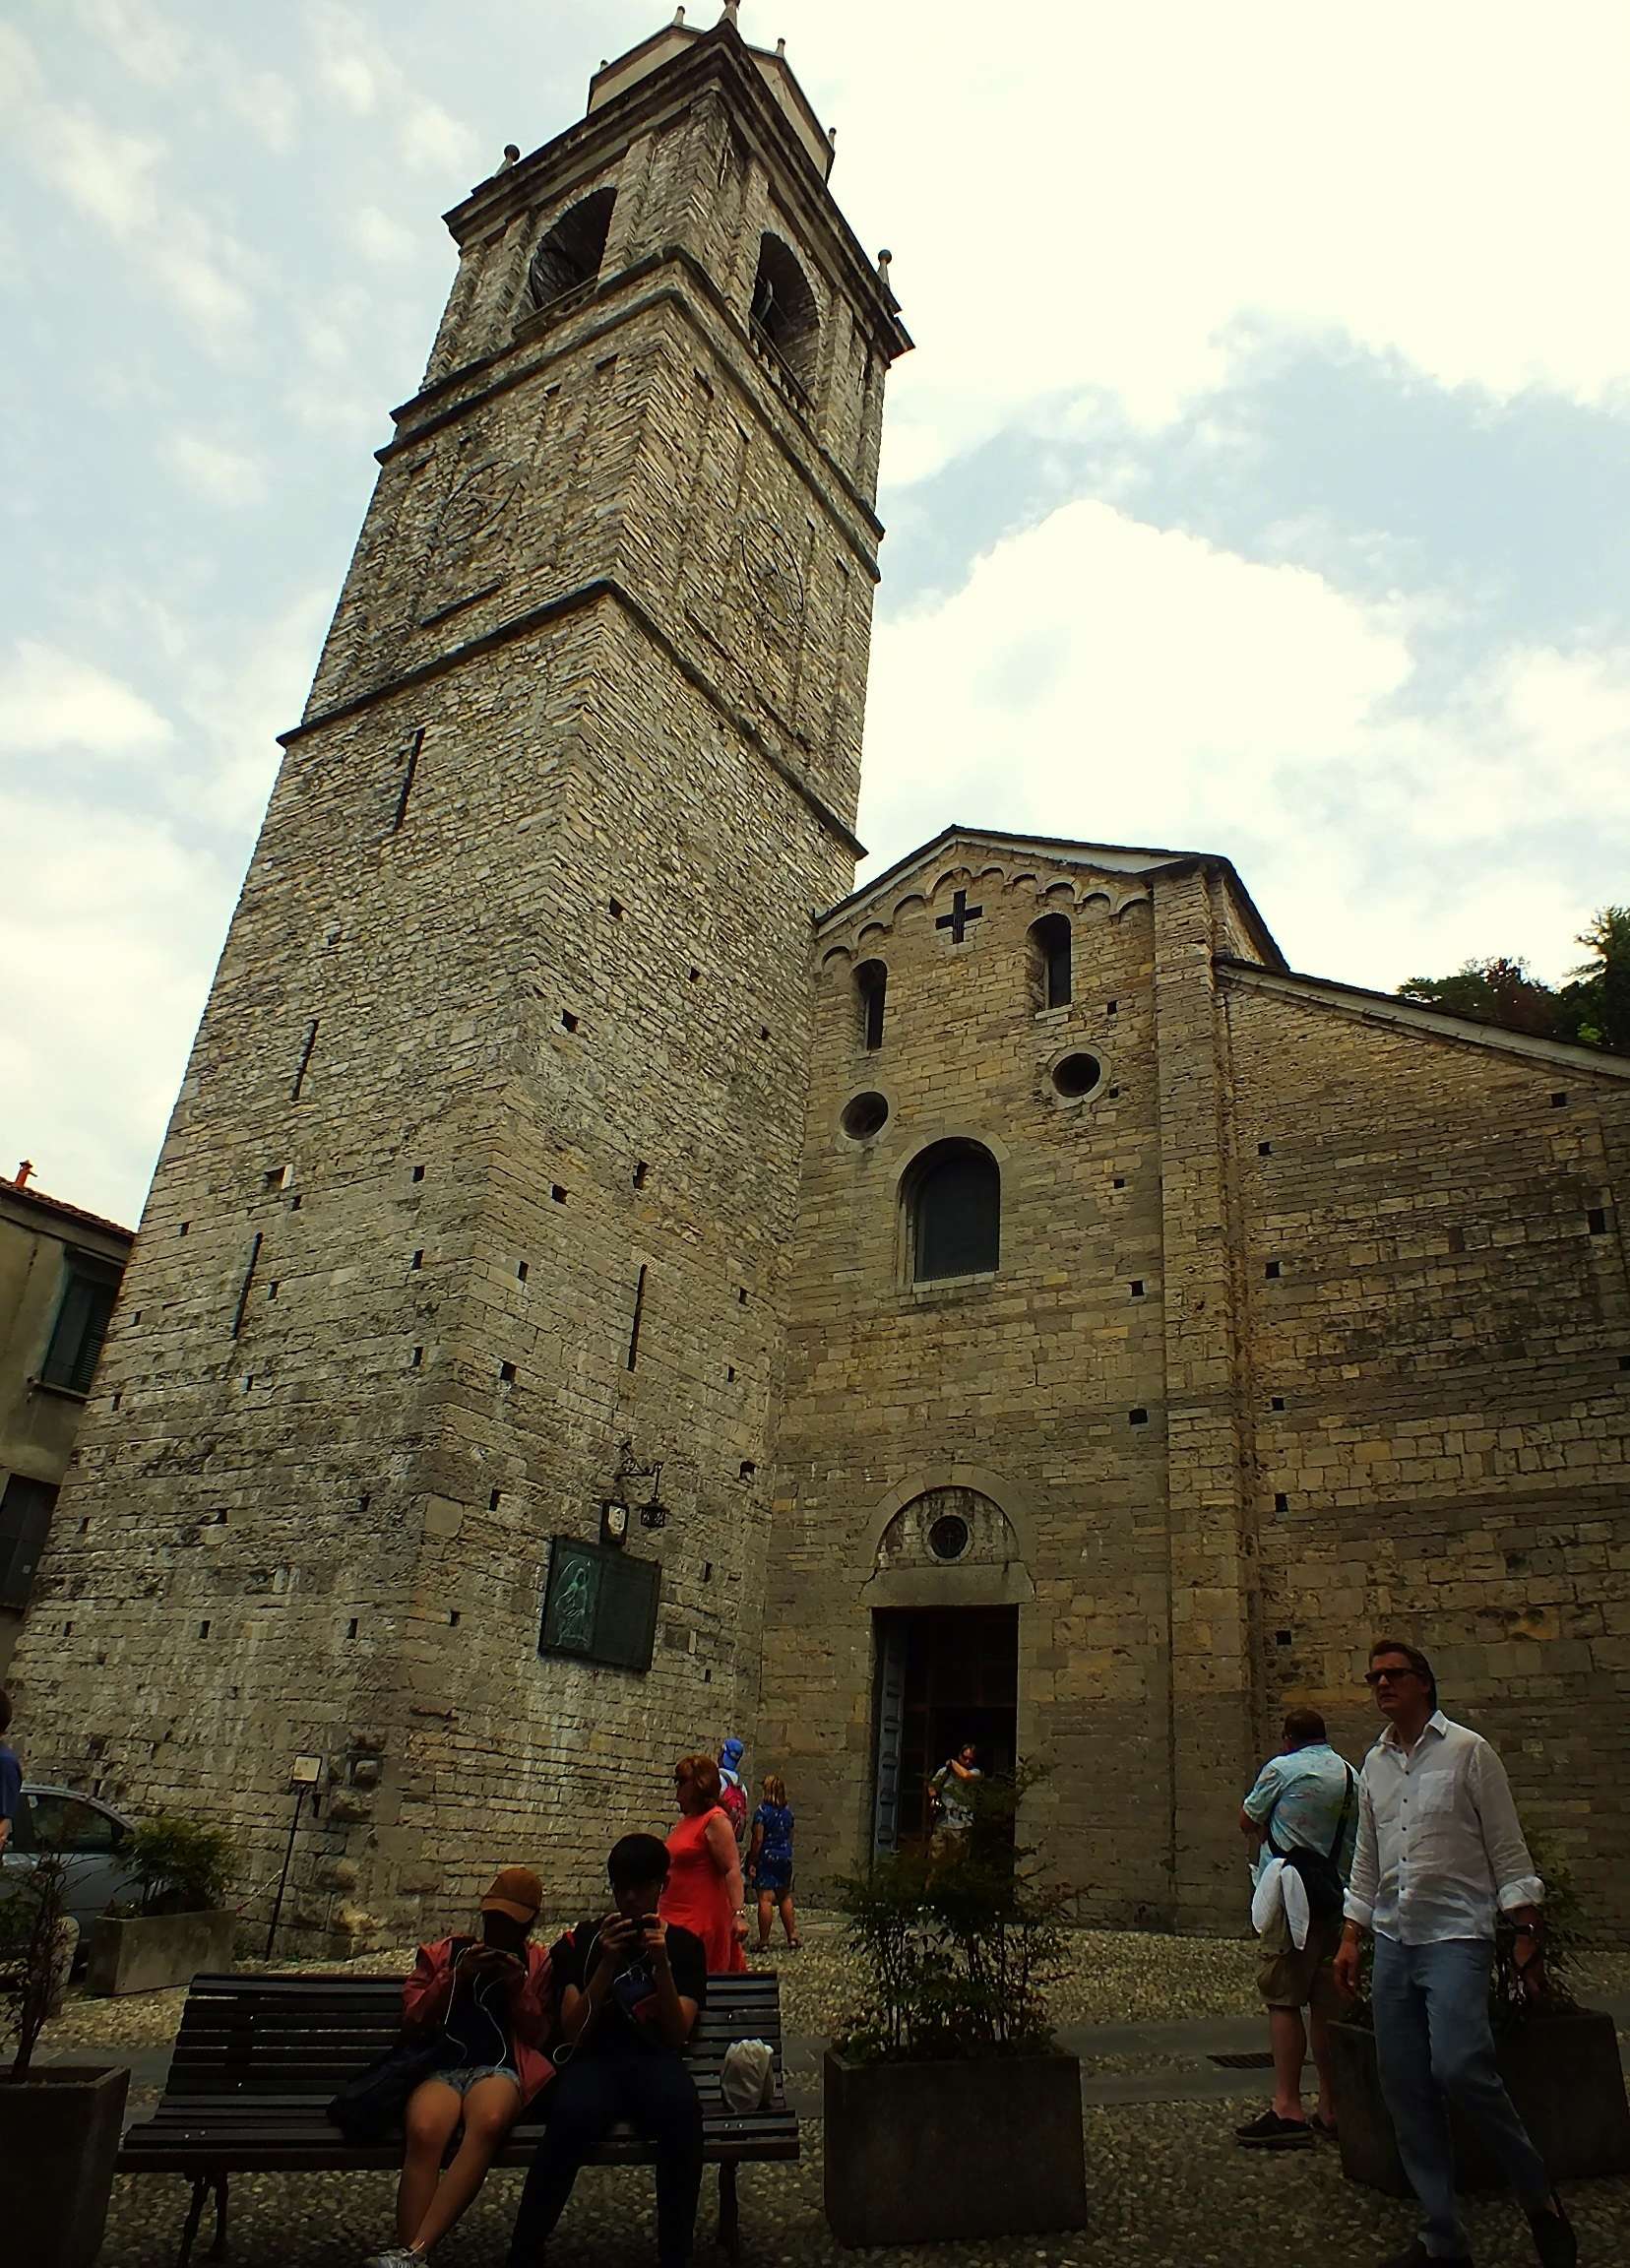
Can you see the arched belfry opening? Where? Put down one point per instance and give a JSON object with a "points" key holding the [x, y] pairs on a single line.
{"points": [[785, 316], [571, 250]]}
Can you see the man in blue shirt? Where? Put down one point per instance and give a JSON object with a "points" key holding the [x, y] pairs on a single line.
{"points": [[1302, 1810], [10, 1776]]}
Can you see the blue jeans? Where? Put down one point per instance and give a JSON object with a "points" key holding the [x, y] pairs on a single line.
{"points": [[1435, 2047]]}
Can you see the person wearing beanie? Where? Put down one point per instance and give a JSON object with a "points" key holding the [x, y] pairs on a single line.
{"points": [[733, 1789], [490, 1999]]}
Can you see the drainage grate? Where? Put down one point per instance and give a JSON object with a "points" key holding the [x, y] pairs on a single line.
{"points": [[1258, 2060]]}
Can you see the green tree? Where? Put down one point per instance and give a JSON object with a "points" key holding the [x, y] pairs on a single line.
{"points": [[1592, 1008], [1500, 991], [1597, 997]]}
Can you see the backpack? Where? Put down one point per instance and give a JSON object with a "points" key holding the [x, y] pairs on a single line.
{"points": [[732, 1800]]}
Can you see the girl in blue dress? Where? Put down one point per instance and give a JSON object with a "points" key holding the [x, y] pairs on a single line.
{"points": [[770, 1862]]}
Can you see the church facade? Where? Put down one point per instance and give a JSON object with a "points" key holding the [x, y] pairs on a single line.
{"points": [[592, 1299]]}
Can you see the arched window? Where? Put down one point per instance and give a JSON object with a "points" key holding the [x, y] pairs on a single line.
{"points": [[785, 317], [871, 985], [1050, 961], [571, 251], [954, 1211]]}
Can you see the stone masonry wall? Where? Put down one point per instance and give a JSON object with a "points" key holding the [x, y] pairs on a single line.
{"points": [[1442, 1414], [1030, 1377], [515, 1006]]}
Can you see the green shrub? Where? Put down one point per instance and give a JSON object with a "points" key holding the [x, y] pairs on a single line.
{"points": [[958, 1941], [183, 1867]]}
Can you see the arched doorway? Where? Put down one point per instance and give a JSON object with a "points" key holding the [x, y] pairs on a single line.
{"points": [[945, 1598]]}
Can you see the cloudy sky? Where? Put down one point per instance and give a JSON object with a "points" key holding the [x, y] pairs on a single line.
{"points": [[1258, 486]]}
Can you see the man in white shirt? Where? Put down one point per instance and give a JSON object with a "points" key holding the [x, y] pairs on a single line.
{"points": [[1439, 1850]]}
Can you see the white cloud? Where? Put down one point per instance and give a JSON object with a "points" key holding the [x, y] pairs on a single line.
{"points": [[117, 925], [50, 700], [378, 237], [1099, 678], [263, 101], [116, 179], [211, 470], [151, 47], [1124, 192], [432, 140]]}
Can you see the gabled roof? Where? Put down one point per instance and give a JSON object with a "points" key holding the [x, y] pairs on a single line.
{"points": [[1420, 1016], [1060, 851]]}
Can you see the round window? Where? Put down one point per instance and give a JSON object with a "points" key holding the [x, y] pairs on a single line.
{"points": [[864, 1115], [948, 1538], [1077, 1075]]}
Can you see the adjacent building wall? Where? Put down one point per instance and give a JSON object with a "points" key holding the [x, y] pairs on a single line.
{"points": [[40, 1240]]}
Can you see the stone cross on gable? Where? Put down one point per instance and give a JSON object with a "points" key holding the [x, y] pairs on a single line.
{"points": [[959, 916]]}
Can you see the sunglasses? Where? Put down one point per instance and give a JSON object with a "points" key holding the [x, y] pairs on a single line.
{"points": [[1388, 1676]]}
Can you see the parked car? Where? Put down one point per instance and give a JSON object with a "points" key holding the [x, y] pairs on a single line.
{"points": [[93, 1837]]}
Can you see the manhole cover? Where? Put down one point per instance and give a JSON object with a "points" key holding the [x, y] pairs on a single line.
{"points": [[1259, 2060]]}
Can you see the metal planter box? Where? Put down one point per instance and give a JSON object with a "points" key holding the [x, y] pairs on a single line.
{"points": [[926, 2153], [1562, 2071], [155, 1950], [61, 2124]]}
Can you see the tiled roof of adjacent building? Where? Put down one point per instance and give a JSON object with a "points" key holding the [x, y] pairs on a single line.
{"points": [[59, 1206]]}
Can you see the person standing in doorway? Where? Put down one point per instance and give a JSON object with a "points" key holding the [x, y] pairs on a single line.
{"points": [[1440, 1850], [953, 1811], [10, 1776], [770, 1862], [1303, 1813]]}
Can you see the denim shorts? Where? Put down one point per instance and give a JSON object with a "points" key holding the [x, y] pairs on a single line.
{"points": [[468, 2075]]}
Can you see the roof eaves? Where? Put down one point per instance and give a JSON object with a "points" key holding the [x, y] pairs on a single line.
{"points": [[63, 1211], [1391, 1008]]}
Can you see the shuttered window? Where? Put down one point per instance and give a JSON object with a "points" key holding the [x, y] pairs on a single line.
{"points": [[25, 1522], [81, 1325]]}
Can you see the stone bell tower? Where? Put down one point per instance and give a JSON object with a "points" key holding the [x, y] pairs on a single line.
{"points": [[472, 1217]]}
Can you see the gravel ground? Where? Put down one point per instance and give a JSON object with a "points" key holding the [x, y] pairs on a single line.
{"points": [[1167, 2186], [1110, 1977], [1167, 2189]]}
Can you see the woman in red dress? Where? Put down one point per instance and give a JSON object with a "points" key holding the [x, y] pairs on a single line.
{"points": [[704, 1886]]}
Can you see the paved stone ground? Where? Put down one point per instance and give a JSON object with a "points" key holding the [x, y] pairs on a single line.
{"points": [[1169, 2188]]}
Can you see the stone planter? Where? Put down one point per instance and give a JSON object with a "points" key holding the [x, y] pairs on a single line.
{"points": [[1562, 2072], [62, 2123], [923, 2153], [156, 1950]]}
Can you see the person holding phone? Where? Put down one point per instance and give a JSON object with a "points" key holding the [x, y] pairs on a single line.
{"points": [[631, 1986], [492, 2002]]}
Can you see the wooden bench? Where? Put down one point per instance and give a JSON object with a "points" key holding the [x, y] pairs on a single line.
{"points": [[258, 2059]]}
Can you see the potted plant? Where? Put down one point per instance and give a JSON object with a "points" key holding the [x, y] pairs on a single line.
{"points": [[180, 1925], [1561, 2063], [62, 2121], [948, 2080]]}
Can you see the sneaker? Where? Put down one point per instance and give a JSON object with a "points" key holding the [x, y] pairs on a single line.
{"points": [[1271, 2132], [396, 2256], [1553, 2236]]}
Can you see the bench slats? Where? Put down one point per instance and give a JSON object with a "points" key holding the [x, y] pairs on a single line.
{"points": [[257, 2058]]}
